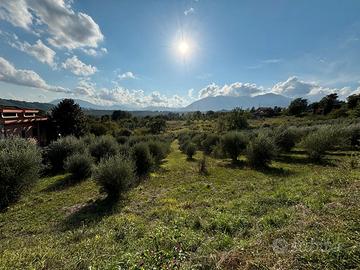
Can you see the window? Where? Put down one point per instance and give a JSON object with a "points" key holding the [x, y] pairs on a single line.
{"points": [[29, 114], [9, 115]]}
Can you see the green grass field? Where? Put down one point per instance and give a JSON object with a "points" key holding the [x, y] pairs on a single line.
{"points": [[295, 215]]}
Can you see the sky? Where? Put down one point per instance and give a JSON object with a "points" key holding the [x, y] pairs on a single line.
{"points": [[173, 52]]}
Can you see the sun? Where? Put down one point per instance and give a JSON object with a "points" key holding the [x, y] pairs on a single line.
{"points": [[183, 47]]}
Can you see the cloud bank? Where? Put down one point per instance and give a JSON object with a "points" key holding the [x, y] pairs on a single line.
{"points": [[77, 67], [65, 27], [23, 77]]}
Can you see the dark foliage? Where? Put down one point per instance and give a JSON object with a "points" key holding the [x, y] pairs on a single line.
{"points": [[209, 143], [260, 151], [79, 165], [20, 164], [236, 120], [103, 147], [190, 150], [68, 118], [58, 151], [233, 144], [298, 106], [142, 158], [114, 175]]}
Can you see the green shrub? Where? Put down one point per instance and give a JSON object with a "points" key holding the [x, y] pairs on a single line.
{"points": [[142, 158], [218, 151], [122, 139], [158, 150], [103, 147], [124, 150], [209, 143], [115, 175], [79, 165], [198, 139], [260, 151], [88, 139], [203, 166], [58, 151], [284, 139], [20, 164], [123, 132], [352, 135], [233, 144], [236, 119], [190, 150], [318, 142]]}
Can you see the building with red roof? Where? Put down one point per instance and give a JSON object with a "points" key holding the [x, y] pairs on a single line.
{"points": [[25, 123]]}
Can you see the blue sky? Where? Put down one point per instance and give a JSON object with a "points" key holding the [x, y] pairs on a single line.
{"points": [[128, 52]]}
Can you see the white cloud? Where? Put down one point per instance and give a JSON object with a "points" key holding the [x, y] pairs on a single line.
{"points": [[85, 88], [293, 87], [272, 61], [126, 75], [9, 74], [66, 28], [190, 93], [39, 50], [77, 67], [235, 89], [94, 52], [16, 12], [121, 95], [189, 11], [139, 98]]}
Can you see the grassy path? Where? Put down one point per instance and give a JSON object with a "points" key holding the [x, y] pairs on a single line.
{"points": [[295, 216]]}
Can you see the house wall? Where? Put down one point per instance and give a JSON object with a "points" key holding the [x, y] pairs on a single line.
{"points": [[25, 130]]}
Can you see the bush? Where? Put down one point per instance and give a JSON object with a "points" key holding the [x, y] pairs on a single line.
{"points": [[260, 151], [352, 135], [122, 139], [190, 150], [203, 166], [218, 151], [318, 142], [284, 139], [79, 165], [233, 144], [209, 143], [103, 147], [20, 164], [236, 119], [158, 150], [58, 151], [115, 176], [142, 158]]}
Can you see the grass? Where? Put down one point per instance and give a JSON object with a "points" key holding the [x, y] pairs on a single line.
{"points": [[295, 215]]}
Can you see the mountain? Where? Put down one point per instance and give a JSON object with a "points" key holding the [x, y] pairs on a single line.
{"points": [[25, 104], [88, 105], [219, 103]]}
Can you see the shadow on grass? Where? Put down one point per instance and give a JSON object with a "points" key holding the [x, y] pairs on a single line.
{"points": [[191, 159], [89, 213], [62, 184], [239, 164], [274, 171], [304, 160]]}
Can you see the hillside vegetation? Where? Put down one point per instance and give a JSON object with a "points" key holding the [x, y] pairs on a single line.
{"points": [[294, 215]]}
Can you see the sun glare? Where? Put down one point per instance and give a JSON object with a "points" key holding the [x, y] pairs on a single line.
{"points": [[183, 48]]}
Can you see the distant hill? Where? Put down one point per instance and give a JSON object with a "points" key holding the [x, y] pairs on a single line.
{"points": [[88, 105], [25, 104], [219, 103]]}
